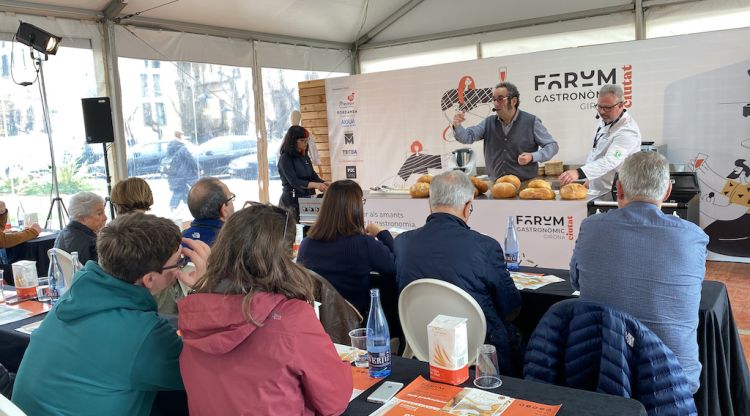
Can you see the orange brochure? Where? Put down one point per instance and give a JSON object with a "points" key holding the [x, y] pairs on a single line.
{"points": [[427, 393]]}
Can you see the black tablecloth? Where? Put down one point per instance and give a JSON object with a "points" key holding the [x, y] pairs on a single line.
{"points": [[725, 381], [574, 402], [35, 249]]}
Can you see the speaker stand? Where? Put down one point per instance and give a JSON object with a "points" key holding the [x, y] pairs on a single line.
{"points": [[108, 200]]}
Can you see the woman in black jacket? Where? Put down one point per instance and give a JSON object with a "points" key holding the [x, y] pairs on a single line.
{"points": [[298, 178]]}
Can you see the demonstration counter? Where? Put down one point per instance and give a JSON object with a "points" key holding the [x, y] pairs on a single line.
{"points": [[547, 230]]}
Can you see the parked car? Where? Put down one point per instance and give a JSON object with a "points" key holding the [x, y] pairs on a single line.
{"points": [[146, 158], [246, 167], [215, 154]]}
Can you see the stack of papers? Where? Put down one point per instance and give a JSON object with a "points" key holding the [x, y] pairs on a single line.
{"points": [[426, 398], [533, 280]]}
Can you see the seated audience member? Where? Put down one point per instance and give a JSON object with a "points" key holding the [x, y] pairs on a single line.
{"points": [[103, 350], [87, 217], [340, 248], [446, 248], [644, 262], [252, 343], [210, 203], [132, 194], [12, 238]]}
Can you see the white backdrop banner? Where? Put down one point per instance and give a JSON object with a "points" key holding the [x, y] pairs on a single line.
{"points": [[690, 94]]}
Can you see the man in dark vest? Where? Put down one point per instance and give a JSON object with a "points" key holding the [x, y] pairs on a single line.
{"points": [[514, 141]]}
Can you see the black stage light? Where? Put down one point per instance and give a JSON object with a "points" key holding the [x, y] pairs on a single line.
{"points": [[38, 39]]}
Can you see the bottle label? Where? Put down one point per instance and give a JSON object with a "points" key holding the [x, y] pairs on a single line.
{"points": [[380, 359], [511, 257]]}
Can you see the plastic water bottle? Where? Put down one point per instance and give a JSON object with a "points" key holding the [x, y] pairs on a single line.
{"points": [[76, 265], [56, 278], [511, 247], [378, 338], [20, 215]]}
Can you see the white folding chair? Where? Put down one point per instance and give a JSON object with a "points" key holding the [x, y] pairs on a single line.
{"points": [[424, 299], [8, 408], [66, 264]]}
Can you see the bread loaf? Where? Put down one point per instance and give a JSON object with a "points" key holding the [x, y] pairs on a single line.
{"points": [[510, 179], [479, 184], [420, 190], [427, 178], [537, 193], [503, 190], [539, 183], [573, 191]]}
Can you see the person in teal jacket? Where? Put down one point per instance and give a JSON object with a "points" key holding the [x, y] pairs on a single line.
{"points": [[103, 349]]}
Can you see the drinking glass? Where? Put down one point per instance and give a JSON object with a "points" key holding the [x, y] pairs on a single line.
{"points": [[43, 291], [359, 343], [2, 285], [487, 374]]}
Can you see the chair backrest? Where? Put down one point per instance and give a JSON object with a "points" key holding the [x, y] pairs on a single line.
{"points": [[424, 299], [8, 408], [337, 316], [66, 264]]}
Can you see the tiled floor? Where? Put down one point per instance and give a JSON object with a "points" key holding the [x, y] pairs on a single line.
{"points": [[737, 278]]}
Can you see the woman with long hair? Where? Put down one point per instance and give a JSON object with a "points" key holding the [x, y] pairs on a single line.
{"points": [[251, 341], [342, 249], [298, 178]]}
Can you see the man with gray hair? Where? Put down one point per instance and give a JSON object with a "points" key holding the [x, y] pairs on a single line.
{"points": [[645, 262], [514, 141], [617, 137], [446, 248], [211, 204], [87, 217]]}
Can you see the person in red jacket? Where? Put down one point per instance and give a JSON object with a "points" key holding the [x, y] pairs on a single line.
{"points": [[251, 341]]}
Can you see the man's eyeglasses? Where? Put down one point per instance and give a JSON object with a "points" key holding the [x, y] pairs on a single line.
{"points": [[607, 107], [181, 263], [230, 199], [471, 206], [499, 99]]}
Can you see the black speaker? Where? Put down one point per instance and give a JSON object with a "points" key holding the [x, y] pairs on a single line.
{"points": [[97, 117]]}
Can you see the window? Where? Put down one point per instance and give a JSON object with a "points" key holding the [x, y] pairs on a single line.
{"points": [[147, 118], [25, 161], [280, 98], [161, 116], [144, 85], [157, 85], [212, 105], [6, 66]]}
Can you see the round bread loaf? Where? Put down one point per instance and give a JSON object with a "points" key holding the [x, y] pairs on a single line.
{"points": [[573, 191], [539, 183], [479, 184], [510, 179], [427, 178], [503, 190], [537, 193], [420, 190]]}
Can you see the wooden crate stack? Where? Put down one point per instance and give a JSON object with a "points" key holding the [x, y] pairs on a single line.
{"points": [[312, 100]]}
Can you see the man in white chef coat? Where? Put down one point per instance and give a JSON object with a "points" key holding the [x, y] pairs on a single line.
{"points": [[617, 137]]}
